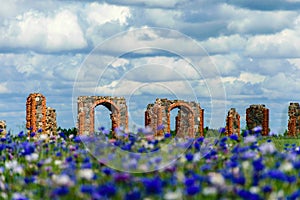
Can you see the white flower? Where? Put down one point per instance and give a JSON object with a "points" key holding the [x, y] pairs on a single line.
{"points": [[63, 180], [250, 139], [86, 174], [43, 137], [57, 162], [216, 179], [245, 165], [267, 147], [209, 190], [71, 136], [173, 195], [32, 157], [11, 164], [254, 189], [286, 166], [48, 161]]}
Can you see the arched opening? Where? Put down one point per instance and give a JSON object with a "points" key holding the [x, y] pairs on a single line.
{"points": [[102, 118], [174, 120], [184, 120], [113, 115]]}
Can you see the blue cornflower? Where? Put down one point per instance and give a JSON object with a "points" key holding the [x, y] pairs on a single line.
{"points": [[234, 137], [160, 127], [222, 130], [152, 186], [277, 174], [32, 134], [61, 191], [267, 188], [40, 130], [294, 196], [107, 190], [223, 140], [88, 189], [200, 140], [189, 181], [258, 165], [244, 194], [167, 135], [197, 145], [239, 180], [28, 180], [133, 195], [17, 196], [189, 157], [21, 134], [107, 171], [257, 129], [62, 134], [102, 128], [77, 139], [192, 190], [3, 139]]}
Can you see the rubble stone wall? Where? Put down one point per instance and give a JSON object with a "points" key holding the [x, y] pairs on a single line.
{"points": [[258, 115], [189, 119], [233, 122], [294, 119], [86, 112], [38, 116], [2, 127]]}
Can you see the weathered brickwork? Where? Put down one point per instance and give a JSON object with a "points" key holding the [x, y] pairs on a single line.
{"points": [[51, 125], [2, 127], [258, 115], [233, 122], [294, 119], [37, 113], [86, 112], [189, 119]]}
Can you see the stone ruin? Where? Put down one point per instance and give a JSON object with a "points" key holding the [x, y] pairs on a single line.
{"points": [[232, 123], [258, 115], [38, 116], [86, 112], [294, 119], [189, 119], [2, 127]]}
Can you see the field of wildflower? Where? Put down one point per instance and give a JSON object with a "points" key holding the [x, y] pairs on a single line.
{"points": [[230, 167]]}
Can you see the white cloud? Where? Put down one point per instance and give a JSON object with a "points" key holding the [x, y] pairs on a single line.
{"points": [[40, 32], [3, 88]]}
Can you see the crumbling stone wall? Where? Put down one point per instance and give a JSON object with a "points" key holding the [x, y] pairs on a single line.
{"points": [[258, 115], [2, 127], [86, 112], [294, 119], [36, 112], [38, 116], [51, 125], [232, 122], [189, 119]]}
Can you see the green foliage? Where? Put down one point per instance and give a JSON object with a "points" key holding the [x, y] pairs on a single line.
{"points": [[68, 132]]}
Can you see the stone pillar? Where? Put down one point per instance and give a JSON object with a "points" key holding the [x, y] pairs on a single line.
{"points": [[258, 115], [201, 123], [2, 127], [232, 122], [294, 119]]}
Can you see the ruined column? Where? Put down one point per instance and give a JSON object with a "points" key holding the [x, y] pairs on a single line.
{"points": [[294, 119], [258, 115], [232, 122], [2, 127]]}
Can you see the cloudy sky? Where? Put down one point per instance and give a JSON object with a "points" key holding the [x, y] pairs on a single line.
{"points": [[222, 54]]}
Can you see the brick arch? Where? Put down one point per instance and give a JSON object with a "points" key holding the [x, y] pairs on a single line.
{"points": [[111, 106], [86, 112], [190, 118]]}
